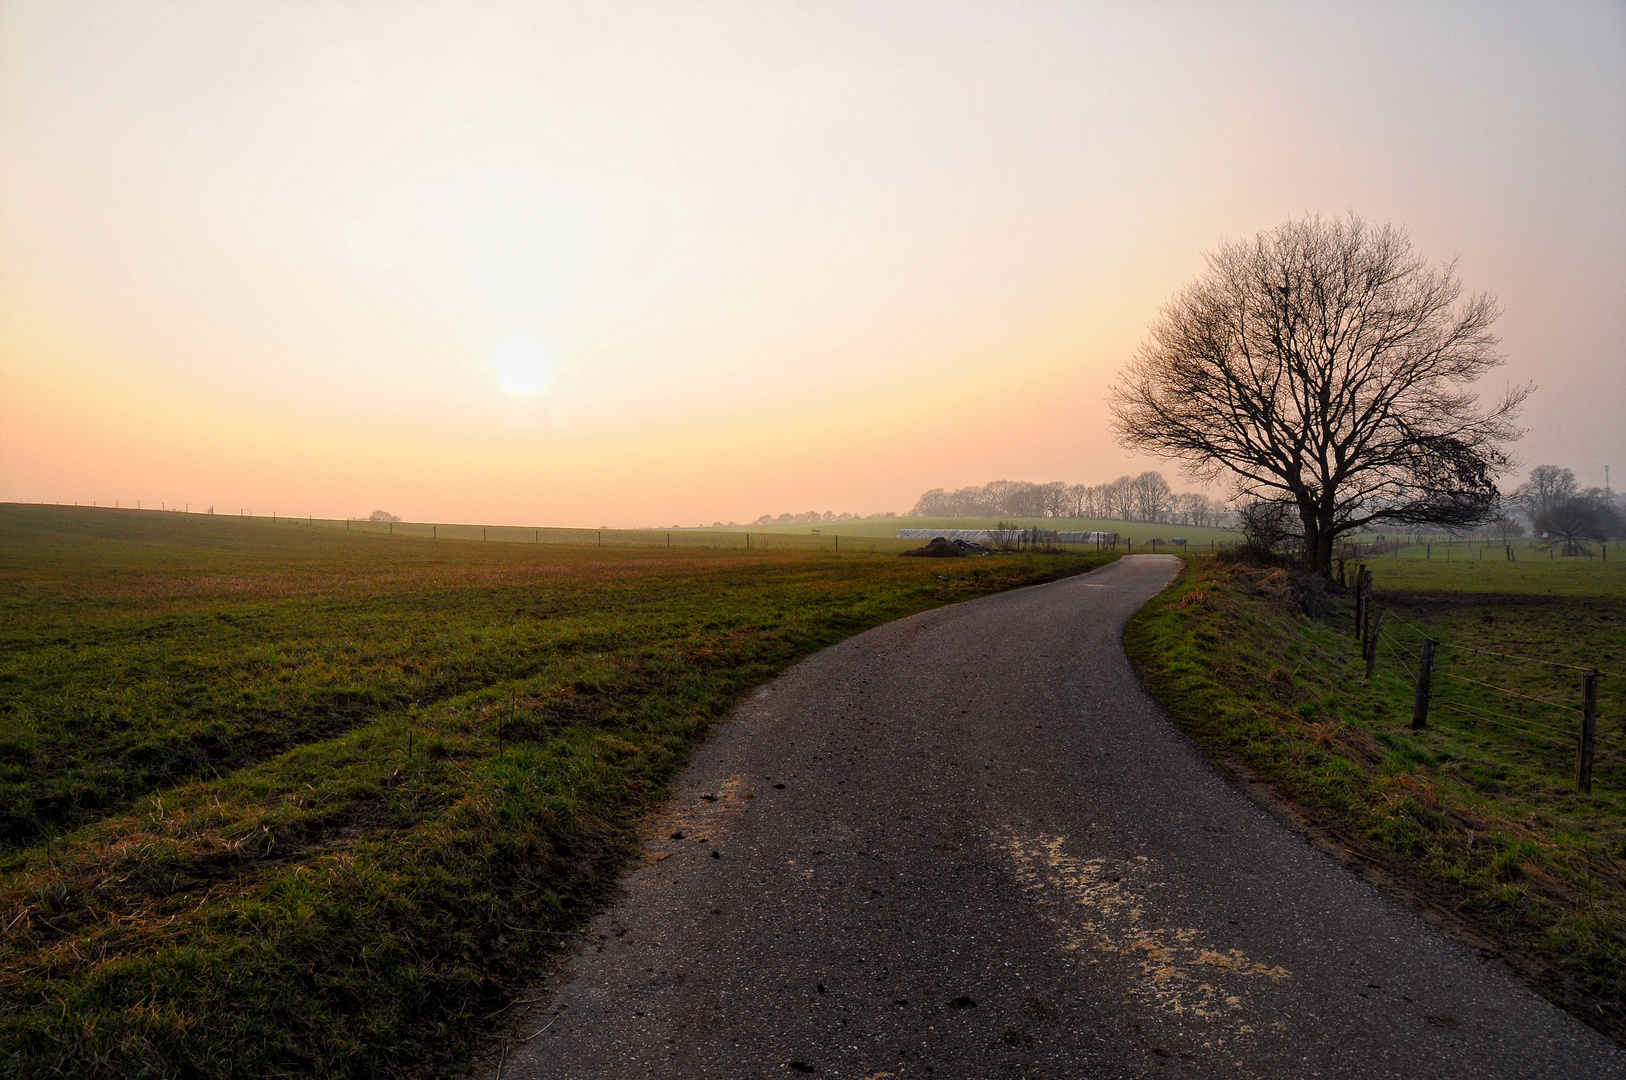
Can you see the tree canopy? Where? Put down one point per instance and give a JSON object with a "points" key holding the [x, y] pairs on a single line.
{"points": [[1325, 364]]}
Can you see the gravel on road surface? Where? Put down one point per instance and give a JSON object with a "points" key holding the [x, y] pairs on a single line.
{"points": [[969, 844]]}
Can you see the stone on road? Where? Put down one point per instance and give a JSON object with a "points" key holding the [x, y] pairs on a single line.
{"points": [[968, 844]]}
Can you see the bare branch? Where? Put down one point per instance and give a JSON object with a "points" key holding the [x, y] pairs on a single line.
{"points": [[1327, 364]]}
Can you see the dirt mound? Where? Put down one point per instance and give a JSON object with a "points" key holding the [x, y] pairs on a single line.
{"points": [[940, 548]]}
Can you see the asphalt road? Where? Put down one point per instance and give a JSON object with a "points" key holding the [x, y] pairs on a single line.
{"points": [[968, 844]]}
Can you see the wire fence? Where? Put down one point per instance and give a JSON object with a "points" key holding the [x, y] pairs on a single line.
{"points": [[1479, 549], [688, 539], [828, 538], [1466, 686]]}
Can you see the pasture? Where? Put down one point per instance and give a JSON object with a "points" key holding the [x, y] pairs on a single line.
{"points": [[1477, 815], [1138, 531], [870, 535], [1478, 568], [282, 799]]}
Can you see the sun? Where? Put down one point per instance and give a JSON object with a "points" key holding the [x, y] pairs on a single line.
{"points": [[522, 366]]}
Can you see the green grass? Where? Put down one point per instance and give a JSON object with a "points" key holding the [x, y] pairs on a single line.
{"points": [[1139, 531], [740, 538], [871, 535], [1478, 813], [1533, 572], [290, 800]]}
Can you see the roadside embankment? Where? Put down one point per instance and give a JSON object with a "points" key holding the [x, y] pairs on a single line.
{"points": [[1475, 818]]}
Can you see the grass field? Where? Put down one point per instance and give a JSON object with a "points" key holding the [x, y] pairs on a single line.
{"points": [[875, 535], [290, 800], [1138, 531], [1533, 572], [740, 538], [1478, 813], [871, 536]]}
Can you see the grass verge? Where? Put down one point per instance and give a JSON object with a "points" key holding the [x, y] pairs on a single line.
{"points": [[1476, 817], [291, 802]]}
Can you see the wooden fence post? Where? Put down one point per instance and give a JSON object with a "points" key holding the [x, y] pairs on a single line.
{"points": [[1425, 673], [1589, 731], [1360, 601], [1372, 644]]}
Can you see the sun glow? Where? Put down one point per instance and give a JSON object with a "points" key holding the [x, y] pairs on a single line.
{"points": [[577, 263], [522, 366]]}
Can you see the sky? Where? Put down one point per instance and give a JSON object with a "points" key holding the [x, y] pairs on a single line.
{"points": [[652, 263]]}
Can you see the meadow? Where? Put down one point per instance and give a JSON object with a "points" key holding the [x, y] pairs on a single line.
{"points": [[882, 540], [1139, 532], [1476, 818], [291, 800], [1476, 568], [869, 535]]}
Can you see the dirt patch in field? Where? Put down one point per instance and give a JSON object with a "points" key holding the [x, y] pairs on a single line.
{"points": [[939, 548]]}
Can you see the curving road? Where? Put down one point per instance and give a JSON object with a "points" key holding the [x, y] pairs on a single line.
{"points": [[968, 844]]}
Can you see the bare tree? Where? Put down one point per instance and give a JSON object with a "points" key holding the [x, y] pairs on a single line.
{"points": [[1088, 498], [1546, 485], [1202, 510], [1324, 363], [1192, 508], [1610, 507], [1146, 497], [1575, 521], [1118, 500], [1057, 501], [1266, 526], [1152, 496]]}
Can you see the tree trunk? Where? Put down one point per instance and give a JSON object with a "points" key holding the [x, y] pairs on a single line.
{"points": [[1318, 539], [1323, 553]]}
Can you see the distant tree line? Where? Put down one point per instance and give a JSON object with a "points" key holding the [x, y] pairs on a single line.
{"points": [[1563, 514], [813, 517], [1146, 497], [1553, 509]]}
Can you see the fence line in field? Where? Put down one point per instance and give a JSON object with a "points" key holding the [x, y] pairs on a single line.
{"points": [[1027, 539], [690, 539], [1507, 720], [1370, 632], [1520, 729]]}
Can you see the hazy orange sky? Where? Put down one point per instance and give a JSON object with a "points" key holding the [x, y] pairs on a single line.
{"points": [[654, 263]]}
